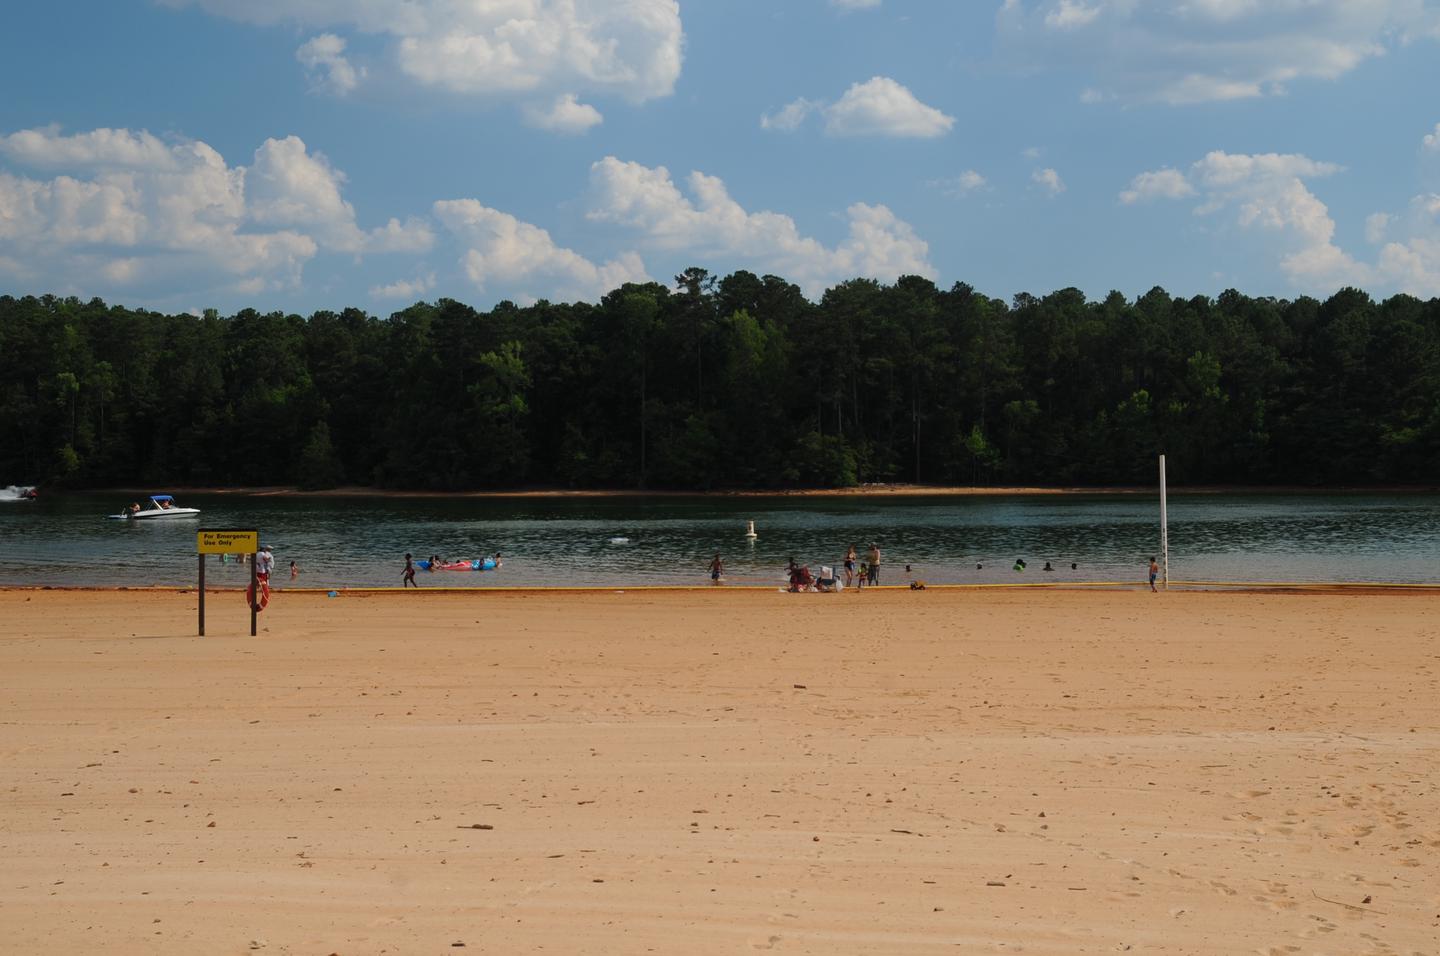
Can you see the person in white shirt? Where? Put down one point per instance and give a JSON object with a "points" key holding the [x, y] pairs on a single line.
{"points": [[264, 563]]}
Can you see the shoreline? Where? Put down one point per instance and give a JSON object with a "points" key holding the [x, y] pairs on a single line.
{"points": [[1331, 588], [881, 490]]}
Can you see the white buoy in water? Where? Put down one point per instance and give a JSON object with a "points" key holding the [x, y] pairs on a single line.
{"points": [[750, 531]]}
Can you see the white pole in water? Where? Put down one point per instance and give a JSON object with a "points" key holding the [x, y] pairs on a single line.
{"points": [[750, 531], [1164, 529]]}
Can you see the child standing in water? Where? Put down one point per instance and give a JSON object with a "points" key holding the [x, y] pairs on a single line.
{"points": [[408, 579], [717, 569]]}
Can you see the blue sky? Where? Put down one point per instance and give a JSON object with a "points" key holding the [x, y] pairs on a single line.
{"points": [[306, 154]]}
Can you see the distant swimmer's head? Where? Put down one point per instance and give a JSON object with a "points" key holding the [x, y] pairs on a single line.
{"points": [[1073, 565], [979, 567]]}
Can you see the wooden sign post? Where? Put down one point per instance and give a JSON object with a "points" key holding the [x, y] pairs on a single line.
{"points": [[227, 541]]}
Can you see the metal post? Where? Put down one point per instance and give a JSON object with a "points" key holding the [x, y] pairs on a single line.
{"points": [[202, 595], [1164, 529]]}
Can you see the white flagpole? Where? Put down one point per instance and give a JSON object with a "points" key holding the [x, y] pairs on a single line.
{"points": [[1164, 529]]}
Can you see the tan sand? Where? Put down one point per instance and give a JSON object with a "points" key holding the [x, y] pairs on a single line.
{"points": [[888, 772]]}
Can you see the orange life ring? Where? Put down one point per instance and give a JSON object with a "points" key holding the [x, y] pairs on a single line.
{"points": [[264, 594]]}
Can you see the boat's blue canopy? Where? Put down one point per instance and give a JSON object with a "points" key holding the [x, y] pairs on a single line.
{"points": [[162, 497]]}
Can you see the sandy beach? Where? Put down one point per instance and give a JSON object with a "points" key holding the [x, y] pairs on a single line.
{"points": [[721, 772]]}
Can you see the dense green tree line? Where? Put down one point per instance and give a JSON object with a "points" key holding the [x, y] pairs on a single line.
{"points": [[734, 382]]}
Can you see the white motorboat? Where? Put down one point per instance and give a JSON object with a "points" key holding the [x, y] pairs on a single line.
{"points": [[158, 506]]}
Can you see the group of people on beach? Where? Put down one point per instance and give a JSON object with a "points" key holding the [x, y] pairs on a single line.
{"points": [[802, 579], [867, 573]]}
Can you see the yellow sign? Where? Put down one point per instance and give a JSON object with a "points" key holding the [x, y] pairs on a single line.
{"points": [[227, 542]]}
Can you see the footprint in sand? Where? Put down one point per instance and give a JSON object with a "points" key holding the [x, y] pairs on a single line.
{"points": [[767, 943], [1322, 925]]}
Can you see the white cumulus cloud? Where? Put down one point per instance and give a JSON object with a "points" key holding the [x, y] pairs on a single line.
{"points": [[627, 48], [709, 222], [1161, 184], [139, 212], [564, 114], [1048, 180], [958, 187], [1193, 51], [1411, 263], [325, 63], [1431, 142], [877, 107], [108, 148], [882, 107], [1070, 14], [502, 250], [791, 115], [289, 186], [1376, 225], [1267, 193], [407, 290]]}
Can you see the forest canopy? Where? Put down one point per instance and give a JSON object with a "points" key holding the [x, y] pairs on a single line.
{"points": [[734, 382]]}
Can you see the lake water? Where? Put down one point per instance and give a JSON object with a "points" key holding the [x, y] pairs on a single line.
{"points": [[354, 542]]}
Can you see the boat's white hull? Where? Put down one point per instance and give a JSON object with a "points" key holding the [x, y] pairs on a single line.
{"points": [[165, 513]]}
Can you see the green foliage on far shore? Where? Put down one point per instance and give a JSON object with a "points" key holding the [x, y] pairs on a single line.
{"points": [[738, 382]]}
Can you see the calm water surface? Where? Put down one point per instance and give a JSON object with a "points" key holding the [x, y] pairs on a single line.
{"points": [[350, 542]]}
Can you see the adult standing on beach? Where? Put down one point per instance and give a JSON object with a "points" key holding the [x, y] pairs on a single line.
{"points": [[264, 563], [850, 567], [408, 578], [874, 562], [1154, 572], [257, 595]]}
